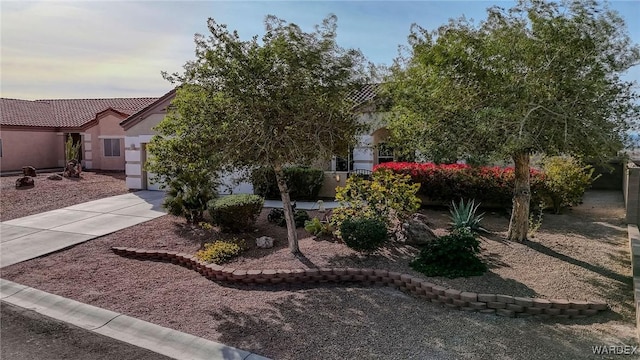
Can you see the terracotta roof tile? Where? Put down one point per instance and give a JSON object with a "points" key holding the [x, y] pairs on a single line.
{"points": [[64, 112], [366, 93]]}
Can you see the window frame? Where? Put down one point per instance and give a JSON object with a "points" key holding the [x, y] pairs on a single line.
{"points": [[385, 153], [111, 147]]}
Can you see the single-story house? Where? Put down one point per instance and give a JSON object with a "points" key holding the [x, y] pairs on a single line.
{"points": [[370, 151], [33, 133]]}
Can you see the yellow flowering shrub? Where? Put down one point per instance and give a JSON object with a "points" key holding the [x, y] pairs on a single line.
{"points": [[387, 197]]}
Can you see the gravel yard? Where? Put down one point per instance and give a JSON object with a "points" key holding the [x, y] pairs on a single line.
{"points": [[581, 254], [49, 195]]}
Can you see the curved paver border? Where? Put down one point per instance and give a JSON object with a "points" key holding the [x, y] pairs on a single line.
{"points": [[502, 305]]}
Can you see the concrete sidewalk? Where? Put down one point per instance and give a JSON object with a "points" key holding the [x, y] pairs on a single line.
{"points": [[37, 235], [304, 205], [162, 340]]}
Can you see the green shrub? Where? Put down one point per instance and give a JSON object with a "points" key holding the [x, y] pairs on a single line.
{"points": [[317, 228], [364, 234], [303, 183], [188, 195], [386, 197], [463, 216], [566, 180], [236, 213], [453, 255], [276, 216], [219, 252], [300, 217]]}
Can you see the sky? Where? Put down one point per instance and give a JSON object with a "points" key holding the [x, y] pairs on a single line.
{"points": [[101, 49]]}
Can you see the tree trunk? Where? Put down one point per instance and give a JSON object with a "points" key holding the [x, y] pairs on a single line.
{"points": [[292, 235], [519, 224]]}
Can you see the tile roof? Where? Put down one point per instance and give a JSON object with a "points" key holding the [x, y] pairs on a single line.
{"points": [[366, 93], [135, 117], [66, 113]]}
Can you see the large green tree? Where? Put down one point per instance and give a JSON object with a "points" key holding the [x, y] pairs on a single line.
{"points": [[277, 101], [540, 77]]}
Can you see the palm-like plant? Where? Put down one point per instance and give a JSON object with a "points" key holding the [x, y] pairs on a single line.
{"points": [[463, 216]]}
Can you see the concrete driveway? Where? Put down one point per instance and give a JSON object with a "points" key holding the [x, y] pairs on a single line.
{"points": [[36, 235]]}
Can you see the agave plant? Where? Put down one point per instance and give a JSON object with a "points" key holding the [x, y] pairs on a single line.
{"points": [[463, 216]]}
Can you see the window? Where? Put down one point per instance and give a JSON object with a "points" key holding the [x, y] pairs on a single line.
{"points": [[385, 153], [111, 147], [345, 164]]}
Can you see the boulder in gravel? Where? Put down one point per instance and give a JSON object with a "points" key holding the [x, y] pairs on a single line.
{"points": [[264, 242], [417, 231], [25, 182], [29, 171], [54, 177], [73, 169]]}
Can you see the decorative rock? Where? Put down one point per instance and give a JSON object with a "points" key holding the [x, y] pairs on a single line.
{"points": [[29, 171], [54, 177], [24, 182], [264, 242], [417, 232], [73, 169]]}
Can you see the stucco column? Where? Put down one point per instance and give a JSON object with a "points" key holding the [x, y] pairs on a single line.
{"points": [[88, 154]]}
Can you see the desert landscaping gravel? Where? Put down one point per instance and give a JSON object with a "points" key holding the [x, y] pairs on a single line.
{"points": [[49, 195], [581, 254]]}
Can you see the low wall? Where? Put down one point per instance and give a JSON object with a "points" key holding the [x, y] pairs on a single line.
{"points": [[631, 190], [610, 176], [634, 247], [502, 305]]}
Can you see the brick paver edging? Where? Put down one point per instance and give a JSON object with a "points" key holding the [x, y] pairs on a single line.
{"points": [[503, 305]]}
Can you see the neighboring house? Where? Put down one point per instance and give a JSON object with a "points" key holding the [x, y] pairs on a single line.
{"points": [[33, 133], [370, 150]]}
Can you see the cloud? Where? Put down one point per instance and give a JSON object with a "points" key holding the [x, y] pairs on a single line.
{"points": [[48, 43]]}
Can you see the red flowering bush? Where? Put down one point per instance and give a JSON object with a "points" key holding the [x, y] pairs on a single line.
{"points": [[489, 185]]}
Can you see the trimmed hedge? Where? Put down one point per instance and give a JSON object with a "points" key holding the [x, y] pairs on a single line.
{"points": [[364, 234], [236, 213], [304, 183], [452, 182], [453, 255]]}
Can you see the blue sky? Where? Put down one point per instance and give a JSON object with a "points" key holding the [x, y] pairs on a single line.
{"points": [[92, 49]]}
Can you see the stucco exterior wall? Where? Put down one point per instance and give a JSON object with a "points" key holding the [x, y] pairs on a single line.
{"points": [[145, 127], [138, 135], [40, 149], [108, 127]]}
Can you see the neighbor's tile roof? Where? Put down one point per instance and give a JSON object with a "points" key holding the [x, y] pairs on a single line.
{"points": [[64, 112]]}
